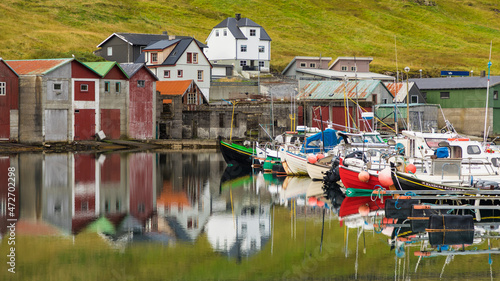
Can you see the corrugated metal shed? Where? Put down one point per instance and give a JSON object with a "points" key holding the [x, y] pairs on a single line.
{"points": [[36, 67], [399, 90], [334, 90]]}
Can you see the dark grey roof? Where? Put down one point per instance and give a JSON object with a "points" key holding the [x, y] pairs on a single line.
{"points": [[131, 68], [234, 28], [141, 39], [177, 52], [476, 82], [160, 45], [141, 58]]}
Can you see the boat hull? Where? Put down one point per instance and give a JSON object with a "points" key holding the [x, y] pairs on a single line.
{"points": [[296, 163], [409, 182], [236, 155], [350, 179], [317, 171]]}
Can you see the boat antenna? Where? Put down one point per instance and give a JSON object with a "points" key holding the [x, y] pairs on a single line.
{"points": [[487, 96]]}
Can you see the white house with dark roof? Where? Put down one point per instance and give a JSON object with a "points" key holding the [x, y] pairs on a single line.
{"points": [[179, 59], [240, 42]]}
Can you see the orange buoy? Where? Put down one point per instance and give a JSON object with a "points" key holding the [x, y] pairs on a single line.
{"points": [[364, 176], [364, 210], [320, 156], [384, 177], [312, 201], [320, 203], [410, 168], [312, 159]]}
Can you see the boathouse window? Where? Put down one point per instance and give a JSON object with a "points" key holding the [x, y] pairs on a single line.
{"points": [[445, 95], [414, 99], [302, 64], [221, 120], [56, 87], [106, 86], [141, 83], [118, 87], [191, 98], [353, 68], [473, 149], [343, 68], [312, 65], [495, 95], [84, 87]]}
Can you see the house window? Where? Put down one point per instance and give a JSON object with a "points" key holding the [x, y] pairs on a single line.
{"points": [[445, 95], [56, 86], [243, 63], [243, 48], [179, 73], [110, 51], [495, 95], [303, 64], [195, 57], [343, 68], [189, 57], [191, 98], [353, 68], [261, 64], [225, 32], [252, 32], [216, 33], [200, 75], [141, 83], [154, 57], [166, 73], [261, 49], [384, 101], [106, 86], [414, 99], [118, 87], [312, 65], [84, 87]]}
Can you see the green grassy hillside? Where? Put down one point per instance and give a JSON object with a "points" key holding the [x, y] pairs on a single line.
{"points": [[431, 35]]}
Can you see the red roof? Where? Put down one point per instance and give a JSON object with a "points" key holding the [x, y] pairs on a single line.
{"points": [[173, 87], [394, 88], [36, 67]]}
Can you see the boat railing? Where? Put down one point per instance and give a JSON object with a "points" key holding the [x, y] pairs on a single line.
{"points": [[484, 166]]}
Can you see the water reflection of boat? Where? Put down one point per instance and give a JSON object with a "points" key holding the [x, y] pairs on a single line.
{"points": [[294, 188]]}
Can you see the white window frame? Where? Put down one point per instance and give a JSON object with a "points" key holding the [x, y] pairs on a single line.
{"points": [[180, 73], [243, 48], [141, 83], [3, 88], [191, 98], [84, 87], [154, 57], [216, 33], [343, 68], [312, 64], [195, 58], [166, 73], [200, 75], [253, 32], [353, 68], [243, 63], [110, 51], [303, 64], [225, 32], [262, 49], [262, 63]]}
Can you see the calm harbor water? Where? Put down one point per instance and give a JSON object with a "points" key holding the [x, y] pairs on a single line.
{"points": [[186, 216]]}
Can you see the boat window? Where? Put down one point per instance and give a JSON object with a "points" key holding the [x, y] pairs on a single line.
{"points": [[473, 149], [495, 162], [433, 143], [372, 139]]}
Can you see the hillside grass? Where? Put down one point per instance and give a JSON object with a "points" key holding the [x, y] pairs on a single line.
{"points": [[429, 35]]}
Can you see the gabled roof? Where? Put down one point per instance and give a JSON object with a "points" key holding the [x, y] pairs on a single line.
{"points": [[141, 39], [161, 45], [332, 74], [475, 82], [8, 66], [132, 68], [322, 90], [399, 90], [234, 27], [304, 58], [180, 47], [36, 67], [103, 67]]}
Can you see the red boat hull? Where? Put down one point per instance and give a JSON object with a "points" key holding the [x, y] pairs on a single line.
{"points": [[349, 178]]}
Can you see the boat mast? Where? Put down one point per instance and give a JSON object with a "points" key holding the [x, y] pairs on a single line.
{"points": [[487, 97]]}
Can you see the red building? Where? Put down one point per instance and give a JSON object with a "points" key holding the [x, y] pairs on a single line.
{"points": [[9, 102], [142, 101]]}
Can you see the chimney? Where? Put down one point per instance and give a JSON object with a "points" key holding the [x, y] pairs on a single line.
{"points": [[483, 73], [171, 37], [237, 17]]}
